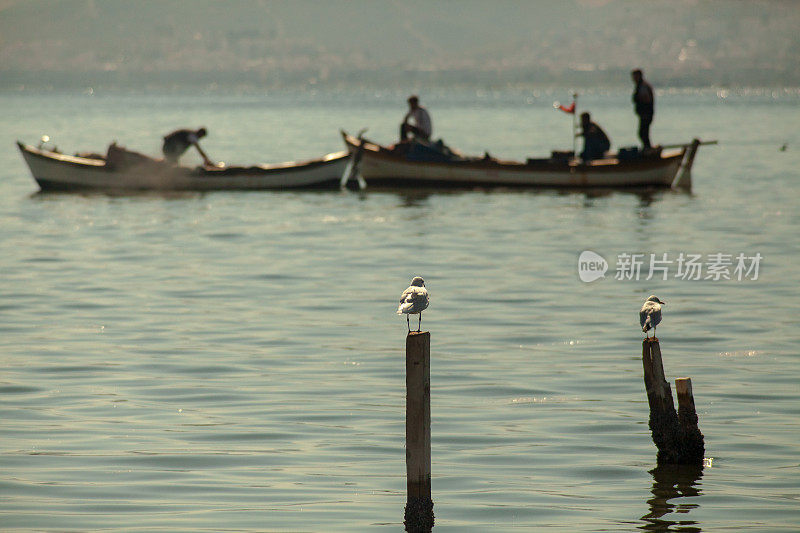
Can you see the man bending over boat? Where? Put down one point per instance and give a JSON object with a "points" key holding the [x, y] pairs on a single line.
{"points": [[595, 140], [177, 142], [422, 127]]}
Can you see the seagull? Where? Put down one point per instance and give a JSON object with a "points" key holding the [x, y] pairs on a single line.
{"points": [[650, 315], [413, 301]]}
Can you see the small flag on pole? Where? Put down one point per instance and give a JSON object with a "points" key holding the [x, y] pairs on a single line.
{"points": [[566, 109]]}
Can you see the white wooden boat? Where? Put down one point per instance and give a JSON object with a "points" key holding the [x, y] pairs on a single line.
{"points": [[400, 165], [123, 170]]}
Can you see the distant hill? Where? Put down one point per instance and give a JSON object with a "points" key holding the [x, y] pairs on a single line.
{"points": [[285, 43]]}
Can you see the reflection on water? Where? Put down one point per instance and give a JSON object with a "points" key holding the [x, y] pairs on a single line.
{"points": [[415, 196], [672, 482], [646, 199], [643, 209]]}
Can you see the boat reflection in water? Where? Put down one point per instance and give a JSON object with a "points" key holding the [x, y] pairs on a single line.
{"points": [[673, 482]]}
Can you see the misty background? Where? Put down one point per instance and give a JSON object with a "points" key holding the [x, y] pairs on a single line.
{"points": [[258, 44]]}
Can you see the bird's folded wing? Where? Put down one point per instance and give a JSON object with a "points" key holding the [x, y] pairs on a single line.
{"points": [[414, 299]]}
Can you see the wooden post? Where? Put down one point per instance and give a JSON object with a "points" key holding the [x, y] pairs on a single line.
{"points": [[419, 505], [692, 446], [663, 419], [677, 442]]}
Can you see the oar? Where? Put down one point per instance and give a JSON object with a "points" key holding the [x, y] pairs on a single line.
{"points": [[702, 143], [352, 169], [346, 174], [208, 162], [362, 183]]}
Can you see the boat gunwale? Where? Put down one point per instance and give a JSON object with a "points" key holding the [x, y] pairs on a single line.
{"points": [[288, 166], [57, 157]]}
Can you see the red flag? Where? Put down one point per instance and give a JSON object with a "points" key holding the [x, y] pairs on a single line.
{"points": [[566, 109]]}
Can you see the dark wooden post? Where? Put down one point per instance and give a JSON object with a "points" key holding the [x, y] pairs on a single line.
{"points": [[676, 442], [663, 419], [419, 505], [692, 445]]}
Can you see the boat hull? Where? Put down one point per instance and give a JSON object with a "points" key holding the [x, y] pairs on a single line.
{"points": [[59, 172], [380, 165]]}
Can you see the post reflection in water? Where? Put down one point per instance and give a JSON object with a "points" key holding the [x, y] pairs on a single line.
{"points": [[671, 482]]}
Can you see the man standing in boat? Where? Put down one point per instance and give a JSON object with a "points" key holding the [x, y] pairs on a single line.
{"points": [[644, 101], [177, 142], [595, 140], [422, 127]]}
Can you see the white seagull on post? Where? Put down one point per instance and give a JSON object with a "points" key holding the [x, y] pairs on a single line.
{"points": [[650, 314], [413, 301]]}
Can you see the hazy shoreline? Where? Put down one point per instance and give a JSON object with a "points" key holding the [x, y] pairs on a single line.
{"points": [[383, 43], [244, 83]]}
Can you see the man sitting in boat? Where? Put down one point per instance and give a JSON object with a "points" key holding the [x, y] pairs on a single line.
{"points": [[422, 127], [595, 140], [177, 142]]}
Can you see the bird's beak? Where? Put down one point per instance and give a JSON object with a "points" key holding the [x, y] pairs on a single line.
{"points": [[662, 303]]}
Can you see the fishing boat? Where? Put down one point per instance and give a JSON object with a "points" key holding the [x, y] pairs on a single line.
{"points": [[124, 170], [433, 164]]}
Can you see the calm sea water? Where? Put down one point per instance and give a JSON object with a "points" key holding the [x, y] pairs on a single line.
{"points": [[232, 361]]}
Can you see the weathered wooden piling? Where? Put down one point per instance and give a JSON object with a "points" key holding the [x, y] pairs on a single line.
{"points": [[676, 435], [419, 505], [692, 445]]}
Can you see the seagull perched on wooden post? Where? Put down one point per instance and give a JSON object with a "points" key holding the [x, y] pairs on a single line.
{"points": [[413, 301], [650, 314]]}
